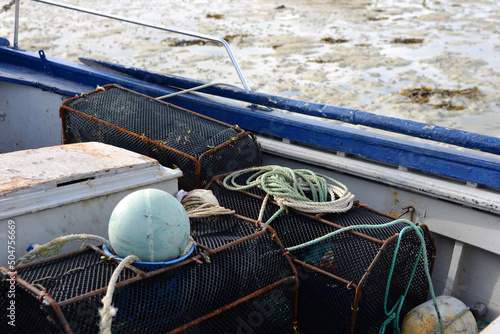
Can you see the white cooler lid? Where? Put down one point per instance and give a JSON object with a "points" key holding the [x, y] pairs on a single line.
{"points": [[30, 177]]}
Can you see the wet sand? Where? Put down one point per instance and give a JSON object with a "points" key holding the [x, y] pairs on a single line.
{"points": [[356, 54]]}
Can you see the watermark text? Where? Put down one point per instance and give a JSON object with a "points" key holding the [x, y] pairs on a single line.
{"points": [[11, 263]]}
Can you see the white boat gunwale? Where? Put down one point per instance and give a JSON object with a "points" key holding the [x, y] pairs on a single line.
{"points": [[73, 79]]}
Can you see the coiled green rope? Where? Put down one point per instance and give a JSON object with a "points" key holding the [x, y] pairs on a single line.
{"points": [[300, 189], [290, 188]]}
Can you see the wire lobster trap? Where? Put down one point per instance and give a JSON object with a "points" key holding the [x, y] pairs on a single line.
{"points": [[242, 284], [178, 138], [350, 281]]}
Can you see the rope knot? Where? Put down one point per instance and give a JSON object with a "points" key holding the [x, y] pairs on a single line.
{"points": [[42, 296]]}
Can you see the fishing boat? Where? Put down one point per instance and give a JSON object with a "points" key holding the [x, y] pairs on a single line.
{"points": [[57, 183]]}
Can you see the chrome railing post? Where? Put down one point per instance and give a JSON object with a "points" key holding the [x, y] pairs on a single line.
{"points": [[16, 25], [144, 24]]}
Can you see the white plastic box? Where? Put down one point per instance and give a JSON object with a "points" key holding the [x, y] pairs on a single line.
{"points": [[69, 189]]}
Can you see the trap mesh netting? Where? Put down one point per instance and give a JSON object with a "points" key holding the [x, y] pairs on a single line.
{"points": [[343, 279], [252, 278], [178, 138], [237, 281]]}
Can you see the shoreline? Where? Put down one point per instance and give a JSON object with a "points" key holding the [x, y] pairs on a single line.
{"points": [[344, 53]]}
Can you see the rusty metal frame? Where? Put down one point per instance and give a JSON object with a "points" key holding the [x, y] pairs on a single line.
{"points": [[287, 256], [361, 283], [197, 161], [233, 304], [368, 208], [388, 242], [42, 297], [141, 275], [319, 218]]}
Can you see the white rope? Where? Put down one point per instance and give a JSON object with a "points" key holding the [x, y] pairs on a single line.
{"points": [[194, 89], [108, 311], [293, 188], [197, 207], [190, 244], [342, 204], [7, 6], [54, 247], [263, 208]]}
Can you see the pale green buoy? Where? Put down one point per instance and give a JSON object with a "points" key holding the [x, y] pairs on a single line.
{"points": [[151, 224]]}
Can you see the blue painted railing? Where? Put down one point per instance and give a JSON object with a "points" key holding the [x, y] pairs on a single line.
{"points": [[69, 78], [407, 127]]}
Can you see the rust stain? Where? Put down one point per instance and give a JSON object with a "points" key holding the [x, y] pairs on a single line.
{"points": [[90, 149], [17, 183]]}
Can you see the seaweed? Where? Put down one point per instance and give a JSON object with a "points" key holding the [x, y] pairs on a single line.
{"points": [[407, 40], [423, 94], [331, 40], [229, 38], [215, 16], [189, 42], [377, 18], [324, 61]]}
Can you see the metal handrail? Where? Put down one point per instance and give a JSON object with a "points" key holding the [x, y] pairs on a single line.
{"points": [[144, 24], [16, 25]]}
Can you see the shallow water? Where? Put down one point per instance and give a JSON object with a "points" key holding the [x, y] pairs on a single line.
{"points": [[280, 49]]}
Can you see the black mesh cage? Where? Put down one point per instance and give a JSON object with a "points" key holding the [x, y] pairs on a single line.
{"points": [[240, 278], [343, 279], [237, 281], [178, 138]]}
